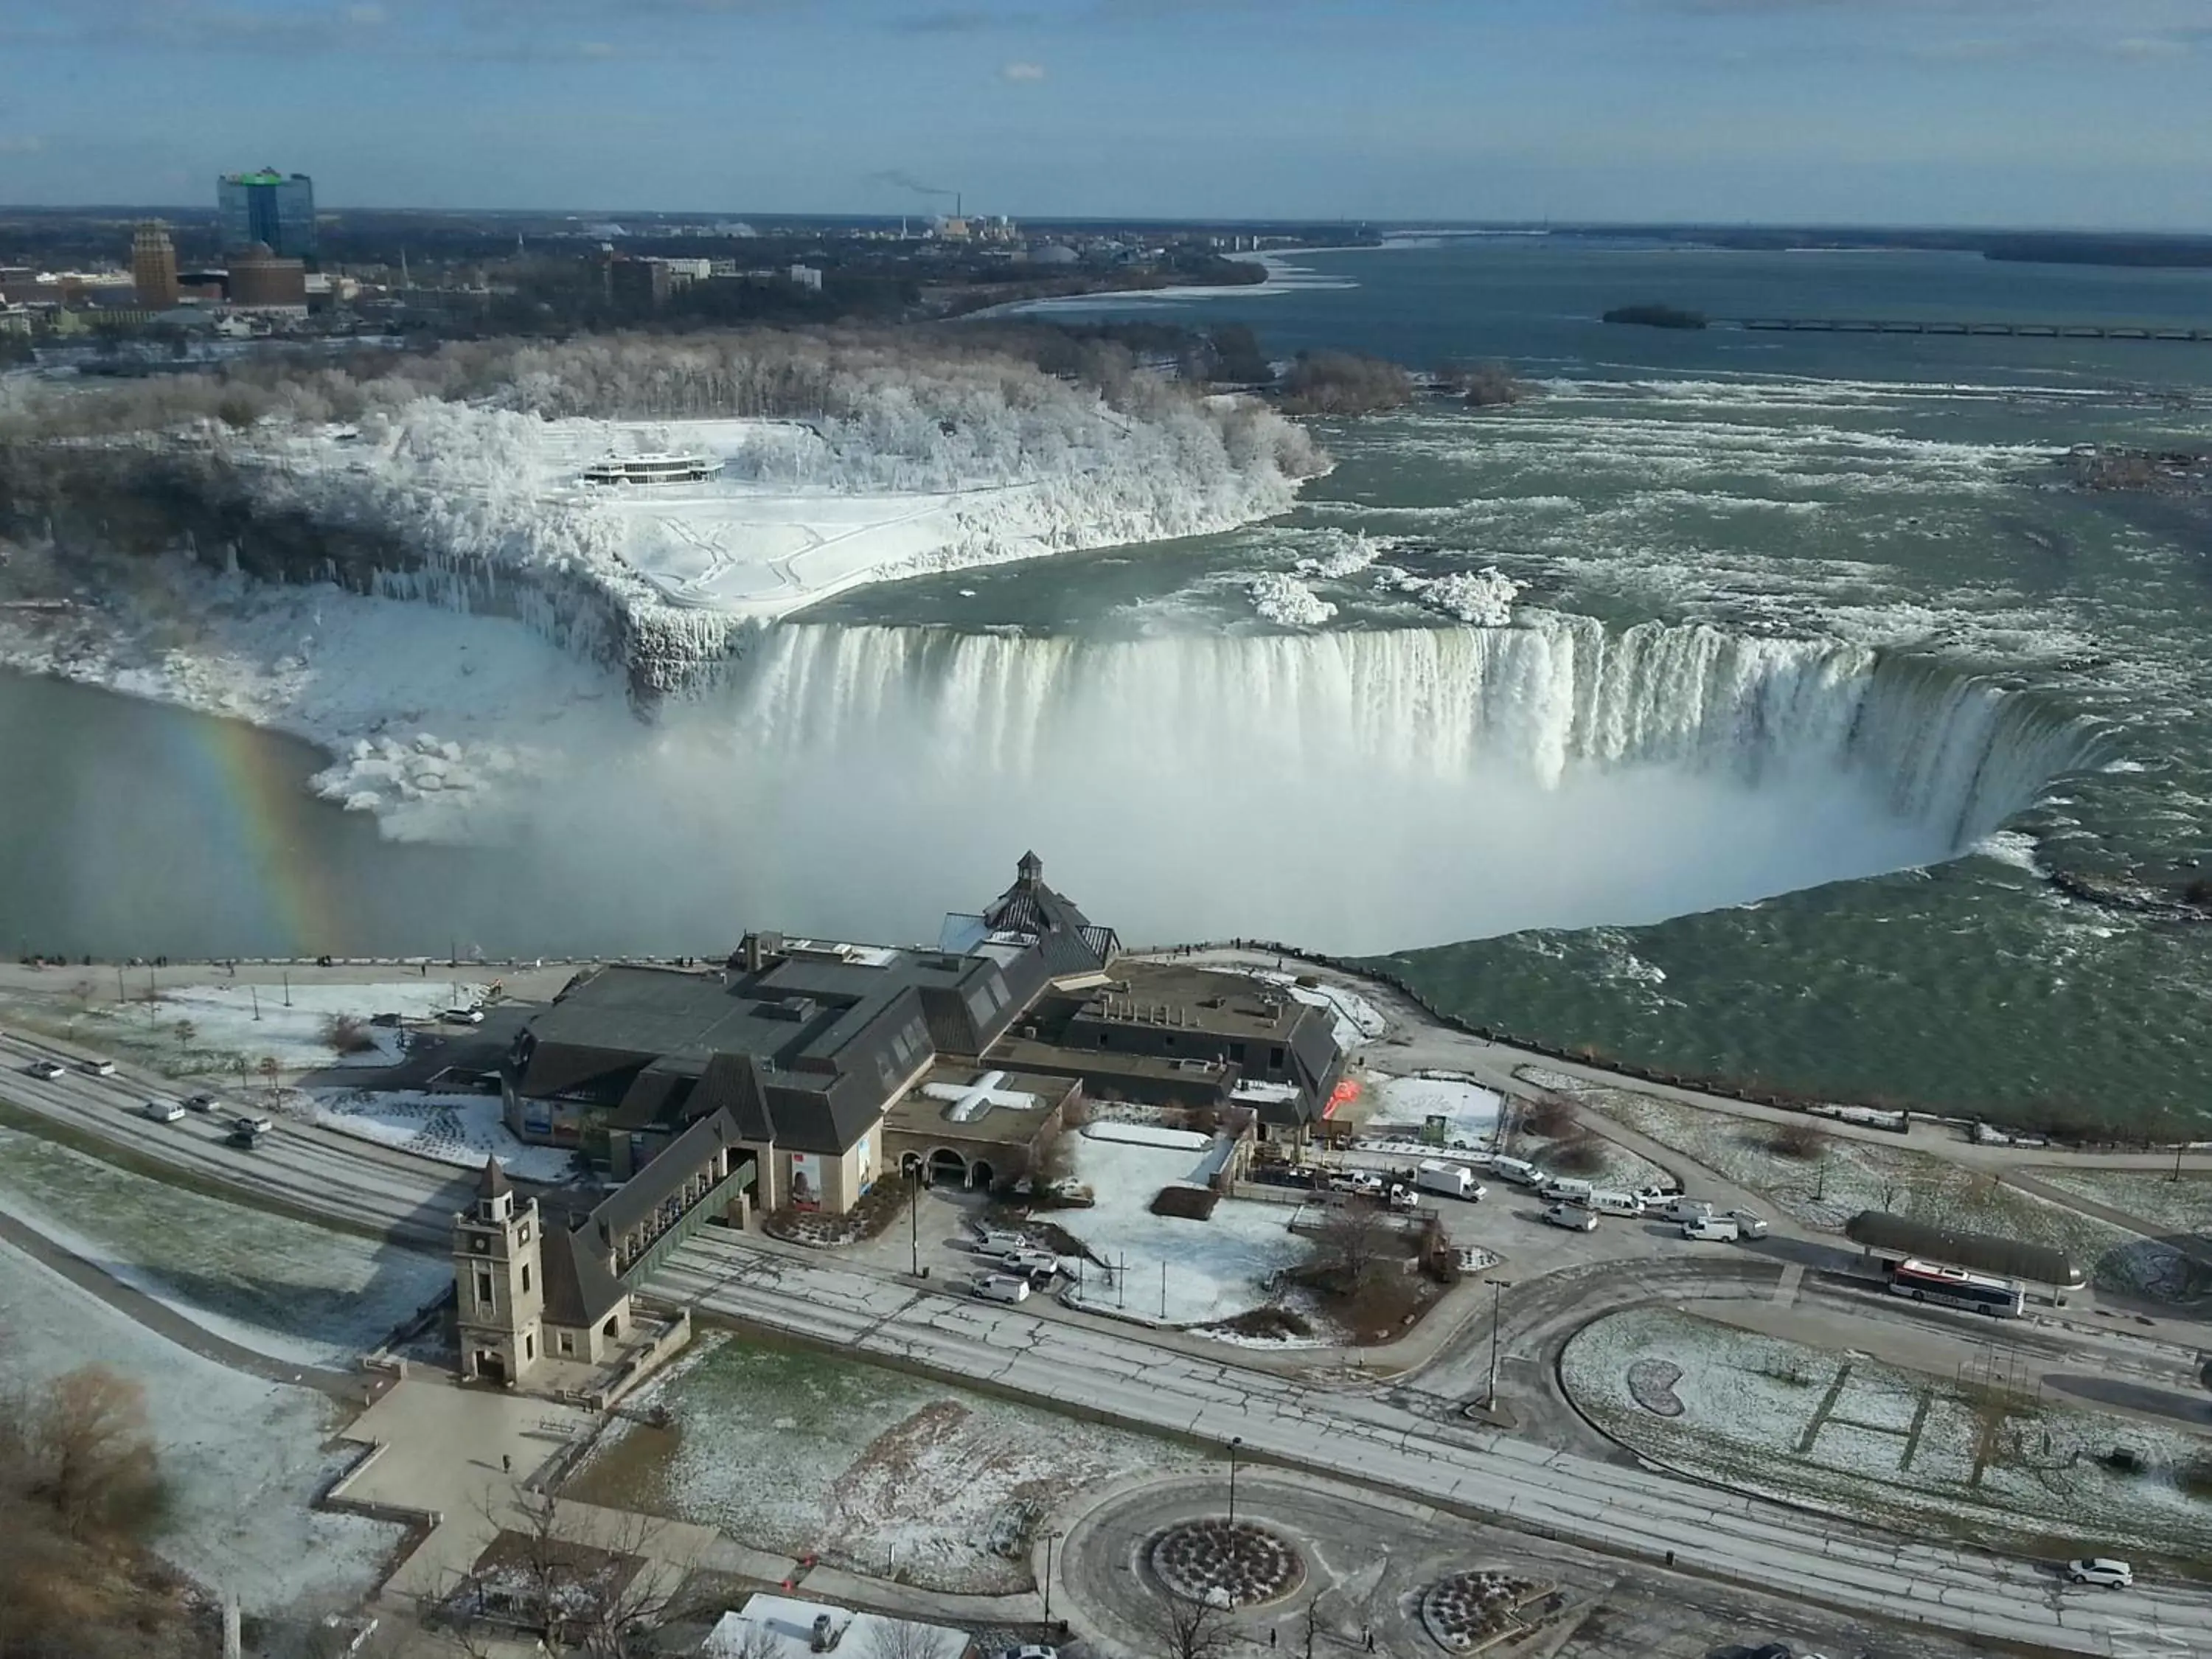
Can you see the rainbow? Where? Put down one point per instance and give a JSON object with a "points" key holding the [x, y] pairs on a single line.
{"points": [[256, 843]]}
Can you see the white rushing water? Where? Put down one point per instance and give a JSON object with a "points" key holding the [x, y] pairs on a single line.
{"points": [[1541, 702]]}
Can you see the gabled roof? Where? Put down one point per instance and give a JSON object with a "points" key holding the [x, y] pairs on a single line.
{"points": [[1066, 940], [491, 1179]]}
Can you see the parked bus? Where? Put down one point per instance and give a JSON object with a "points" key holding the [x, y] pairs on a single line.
{"points": [[1954, 1287]]}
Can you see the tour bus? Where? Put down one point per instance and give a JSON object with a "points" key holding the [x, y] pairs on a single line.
{"points": [[1954, 1287]]}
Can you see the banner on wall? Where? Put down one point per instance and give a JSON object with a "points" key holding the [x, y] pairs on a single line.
{"points": [[805, 1181]]}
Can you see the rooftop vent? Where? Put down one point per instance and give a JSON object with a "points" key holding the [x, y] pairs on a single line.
{"points": [[796, 1010]]}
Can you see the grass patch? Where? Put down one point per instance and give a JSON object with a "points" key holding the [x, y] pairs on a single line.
{"points": [[63, 1134]]}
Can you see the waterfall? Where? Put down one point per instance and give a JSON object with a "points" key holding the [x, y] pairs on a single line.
{"points": [[1553, 696]]}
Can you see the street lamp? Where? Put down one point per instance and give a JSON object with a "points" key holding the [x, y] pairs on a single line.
{"points": [[914, 1218], [1235, 1441], [1497, 1288], [1050, 1539]]}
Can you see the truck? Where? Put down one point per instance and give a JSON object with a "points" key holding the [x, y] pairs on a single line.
{"points": [[1452, 1180]]}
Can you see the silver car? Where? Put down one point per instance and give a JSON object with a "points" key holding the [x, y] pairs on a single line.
{"points": [[1749, 1223]]}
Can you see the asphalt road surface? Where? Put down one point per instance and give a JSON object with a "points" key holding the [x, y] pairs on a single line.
{"points": [[1097, 1368]]}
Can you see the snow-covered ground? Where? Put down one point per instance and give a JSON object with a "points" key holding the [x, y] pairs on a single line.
{"points": [[879, 1471], [1167, 1268], [253, 1021], [1468, 1110], [433, 701], [2183, 1206], [1849, 1175], [458, 1129], [266, 1282], [244, 1458], [1849, 1434]]}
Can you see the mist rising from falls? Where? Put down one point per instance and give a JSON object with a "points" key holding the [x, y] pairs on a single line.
{"points": [[1537, 703], [1351, 790]]}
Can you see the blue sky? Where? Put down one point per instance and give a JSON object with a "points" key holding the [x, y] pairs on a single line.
{"points": [[2013, 112]]}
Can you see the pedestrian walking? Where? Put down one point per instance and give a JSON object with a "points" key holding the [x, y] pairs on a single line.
{"points": [[1271, 1636], [1367, 1635], [1670, 1557], [507, 1466]]}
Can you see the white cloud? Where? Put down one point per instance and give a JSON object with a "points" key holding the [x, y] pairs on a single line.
{"points": [[1020, 72], [24, 144], [367, 16], [596, 49]]}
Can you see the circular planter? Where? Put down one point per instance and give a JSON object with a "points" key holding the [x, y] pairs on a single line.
{"points": [[1237, 1563]]}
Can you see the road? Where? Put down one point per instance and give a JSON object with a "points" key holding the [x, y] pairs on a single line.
{"points": [[1102, 1370]]}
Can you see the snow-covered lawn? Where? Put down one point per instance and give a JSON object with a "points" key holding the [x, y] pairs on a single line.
{"points": [[267, 1282], [458, 1129], [229, 1022], [1213, 1269], [1850, 1176], [2177, 1206], [1849, 1434], [243, 1458], [877, 1470], [1407, 1105]]}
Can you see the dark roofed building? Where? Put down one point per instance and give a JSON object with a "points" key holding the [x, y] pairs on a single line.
{"points": [[1174, 1035], [803, 1046]]}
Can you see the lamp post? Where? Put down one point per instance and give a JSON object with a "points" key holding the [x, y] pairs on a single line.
{"points": [[1050, 1539], [1498, 1287], [1235, 1441], [913, 1221]]}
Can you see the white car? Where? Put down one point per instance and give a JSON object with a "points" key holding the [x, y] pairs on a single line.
{"points": [[45, 1068], [161, 1111], [2100, 1570], [98, 1067], [1002, 1287], [1679, 1208], [1572, 1217], [464, 1016]]}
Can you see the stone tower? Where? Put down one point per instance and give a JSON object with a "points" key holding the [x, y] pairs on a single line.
{"points": [[498, 1275]]}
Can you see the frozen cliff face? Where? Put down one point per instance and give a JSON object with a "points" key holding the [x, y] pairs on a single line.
{"points": [[490, 510]]}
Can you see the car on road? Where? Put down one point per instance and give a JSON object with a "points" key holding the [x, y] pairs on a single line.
{"points": [[45, 1068], [1712, 1229], [1679, 1208], [1029, 1262], [245, 1134], [1749, 1225], [2101, 1570], [1002, 1287], [464, 1016], [199, 1103], [1032, 1650], [161, 1111], [259, 1125], [98, 1068], [1519, 1171], [1572, 1217]]}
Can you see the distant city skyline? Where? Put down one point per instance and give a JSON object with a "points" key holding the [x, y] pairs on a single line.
{"points": [[2018, 112]]}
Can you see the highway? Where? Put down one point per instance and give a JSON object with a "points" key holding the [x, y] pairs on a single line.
{"points": [[1101, 1369]]}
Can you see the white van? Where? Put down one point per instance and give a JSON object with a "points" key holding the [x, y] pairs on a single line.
{"points": [[1686, 1209], [1002, 1287], [998, 1242], [1030, 1261], [1605, 1203], [1712, 1229], [1452, 1180], [1562, 1191], [1519, 1171]]}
